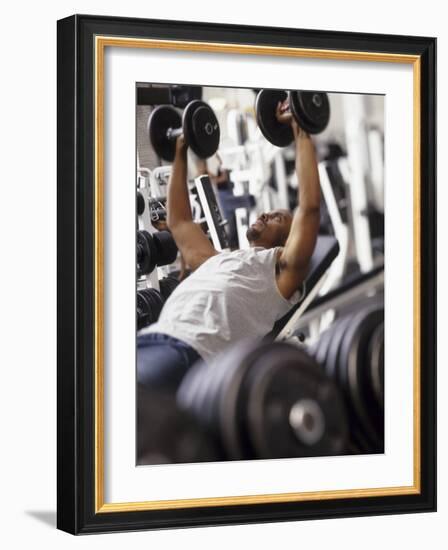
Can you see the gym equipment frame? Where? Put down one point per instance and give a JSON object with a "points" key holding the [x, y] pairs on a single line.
{"points": [[83, 506]]}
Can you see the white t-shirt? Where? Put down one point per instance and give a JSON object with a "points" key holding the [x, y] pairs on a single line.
{"points": [[230, 297]]}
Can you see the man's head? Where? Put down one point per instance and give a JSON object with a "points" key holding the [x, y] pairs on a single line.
{"points": [[271, 229]]}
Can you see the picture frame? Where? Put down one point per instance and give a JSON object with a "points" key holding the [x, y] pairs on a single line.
{"points": [[81, 415]]}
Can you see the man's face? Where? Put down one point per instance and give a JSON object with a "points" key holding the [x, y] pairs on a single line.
{"points": [[271, 229]]}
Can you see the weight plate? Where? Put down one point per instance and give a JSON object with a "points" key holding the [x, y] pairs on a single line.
{"points": [[311, 110], [235, 364], [167, 285], [322, 347], [353, 356], [166, 248], [335, 369], [140, 204], [294, 410], [201, 129], [155, 302], [143, 255], [205, 392], [376, 363], [146, 299], [147, 253], [275, 132], [143, 311], [160, 121], [332, 358]]}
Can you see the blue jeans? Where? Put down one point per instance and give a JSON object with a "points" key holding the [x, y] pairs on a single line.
{"points": [[162, 361]]}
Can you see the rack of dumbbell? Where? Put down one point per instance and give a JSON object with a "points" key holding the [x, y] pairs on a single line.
{"points": [[156, 253]]}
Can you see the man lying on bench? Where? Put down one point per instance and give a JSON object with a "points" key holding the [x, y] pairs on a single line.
{"points": [[230, 295]]}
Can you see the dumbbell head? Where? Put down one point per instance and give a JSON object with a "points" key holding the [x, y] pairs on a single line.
{"points": [[140, 204], [165, 248], [149, 306], [376, 364], [274, 131], [146, 253], [198, 124], [167, 285], [201, 129], [267, 401], [310, 109], [162, 120]]}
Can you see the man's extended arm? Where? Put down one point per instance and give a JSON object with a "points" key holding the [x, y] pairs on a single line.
{"points": [[299, 247], [190, 239]]}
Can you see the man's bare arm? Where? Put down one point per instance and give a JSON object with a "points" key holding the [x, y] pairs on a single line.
{"points": [[299, 247], [190, 239]]}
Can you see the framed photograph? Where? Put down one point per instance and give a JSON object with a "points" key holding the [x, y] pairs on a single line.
{"points": [[246, 274]]}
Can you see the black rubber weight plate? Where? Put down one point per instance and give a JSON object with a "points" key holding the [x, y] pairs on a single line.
{"points": [[234, 366], [167, 286], [160, 121], [165, 246], [274, 131], [143, 253], [281, 379], [332, 357], [376, 372], [353, 355], [140, 204], [322, 347], [311, 109], [201, 129]]}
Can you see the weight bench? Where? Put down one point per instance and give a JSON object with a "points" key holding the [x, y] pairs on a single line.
{"points": [[325, 252]]}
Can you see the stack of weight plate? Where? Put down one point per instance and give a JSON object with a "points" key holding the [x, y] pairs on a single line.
{"points": [[351, 352], [167, 285], [266, 401], [149, 306]]}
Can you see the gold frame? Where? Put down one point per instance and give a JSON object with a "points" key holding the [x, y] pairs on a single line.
{"points": [[101, 42]]}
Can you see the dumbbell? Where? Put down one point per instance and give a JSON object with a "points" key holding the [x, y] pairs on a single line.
{"points": [[198, 124], [165, 247], [140, 204], [167, 436], [149, 306], [146, 253], [154, 249], [351, 352], [267, 400], [167, 285], [310, 109]]}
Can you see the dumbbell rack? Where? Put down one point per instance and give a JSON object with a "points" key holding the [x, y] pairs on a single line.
{"points": [[144, 182]]}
